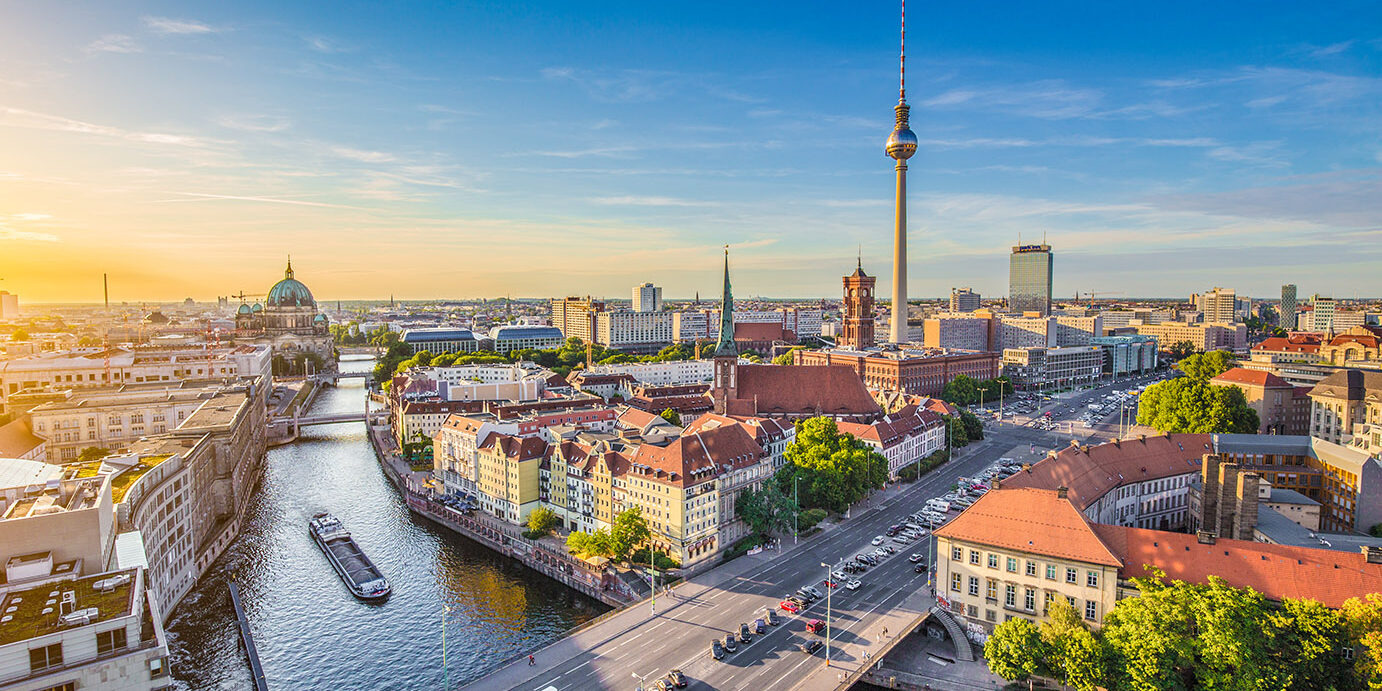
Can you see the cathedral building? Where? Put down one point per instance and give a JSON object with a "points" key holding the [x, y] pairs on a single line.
{"points": [[288, 321]]}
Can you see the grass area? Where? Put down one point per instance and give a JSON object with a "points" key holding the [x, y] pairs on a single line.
{"points": [[30, 621], [743, 546], [88, 469], [122, 482]]}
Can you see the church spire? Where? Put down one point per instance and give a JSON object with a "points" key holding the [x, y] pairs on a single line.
{"points": [[725, 345], [289, 272]]}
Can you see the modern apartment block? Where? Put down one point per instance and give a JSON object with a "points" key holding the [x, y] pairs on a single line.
{"points": [[1219, 305], [1059, 331], [1029, 279], [1232, 337], [963, 300], [647, 298], [1124, 355], [575, 317], [1286, 311], [959, 331], [1040, 368], [634, 331]]}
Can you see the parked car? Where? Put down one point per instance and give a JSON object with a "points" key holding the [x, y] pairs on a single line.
{"points": [[760, 627], [809, 647], [815, 626], [717, 651], [797, 600], [730, 644], [853, 584], [745, 635], [677, 678], [813, 591], [662, 685], [771, 615], [829, 583], [790, 606], [878, 540]]}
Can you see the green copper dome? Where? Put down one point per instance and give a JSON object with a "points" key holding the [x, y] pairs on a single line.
{"points": [[290, 292]]}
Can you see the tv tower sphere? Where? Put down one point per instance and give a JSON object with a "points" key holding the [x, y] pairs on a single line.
{"points": [[902, 143]]}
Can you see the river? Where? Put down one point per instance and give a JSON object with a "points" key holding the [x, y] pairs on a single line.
{"points": [[310, 632]]}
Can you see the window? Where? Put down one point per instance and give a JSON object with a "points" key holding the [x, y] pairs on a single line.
{"points": [[69, 686], [110, 641], [1029, 600], [1051, 572], [1010, 595], [991, 589], [1012, 565], [955, 582], [974, 586], [45, 657], [1031, 569], [1091, 609], [974, 556], [1091, 579], [993, 561], [1071, 575], [957, 554]]}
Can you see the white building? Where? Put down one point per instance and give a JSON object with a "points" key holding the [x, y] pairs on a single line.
{"points": [[112, 419], [647, 298], [9, 305], [633, 330], [904, 438], [671, 373], [524, 337], [96, 367], [1053, 367]]}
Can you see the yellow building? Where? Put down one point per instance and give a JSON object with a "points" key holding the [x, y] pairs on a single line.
{"points": [[508, 478]]}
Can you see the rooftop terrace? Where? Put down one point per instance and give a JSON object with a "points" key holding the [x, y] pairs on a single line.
{"points": [[36, 611]]}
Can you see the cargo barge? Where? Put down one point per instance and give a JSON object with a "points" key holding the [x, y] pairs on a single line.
{"points": [[358, 573]]}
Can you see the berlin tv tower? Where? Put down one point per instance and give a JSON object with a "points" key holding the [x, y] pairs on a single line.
{"points": [[902, 143]]}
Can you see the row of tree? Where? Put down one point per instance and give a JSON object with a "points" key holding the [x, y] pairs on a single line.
{"points": [[1197, 636], [1190, 404], [628, 532], [571, 355], [965, 390]]}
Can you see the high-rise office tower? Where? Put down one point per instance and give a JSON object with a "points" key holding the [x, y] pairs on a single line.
{"points": [[647, 298], [858, 317], [1287, 318], [1029, 279], [902, 143], [1219, 306], [963, 300]]}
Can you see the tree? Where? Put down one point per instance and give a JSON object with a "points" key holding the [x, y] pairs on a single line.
{"points": [[1180, 349], [1015, 651], [974, 429], [92, 453], [1362, 619], [1308, 637], [1151, 638], [1206, 366], [19, 335], [1074, 655], [596, 544], [961, 390], [834, 469], [671, 416], [957, 435], [786, 358], [543, 520], [629, 531], [766, 510], [1191, 404]]}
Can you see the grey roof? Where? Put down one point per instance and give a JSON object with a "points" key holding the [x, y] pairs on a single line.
{"points": [[437, 334], [1284, 531], [1350, 384], [15, 472], [1281, 495], [524, 331], [1294, 445]]}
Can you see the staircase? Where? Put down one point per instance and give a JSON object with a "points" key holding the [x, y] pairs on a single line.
{"points": [[963, 649]]}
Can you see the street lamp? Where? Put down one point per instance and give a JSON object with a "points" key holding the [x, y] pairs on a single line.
{"points": [[641, 679], [828, 591], [797, 501]]}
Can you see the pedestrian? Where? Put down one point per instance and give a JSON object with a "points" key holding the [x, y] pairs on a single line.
{"points": [[531, 662]]}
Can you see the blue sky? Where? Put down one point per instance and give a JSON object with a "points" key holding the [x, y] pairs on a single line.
{"points": [[534, 149]]}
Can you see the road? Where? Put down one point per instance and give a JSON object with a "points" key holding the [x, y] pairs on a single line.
{"points": [[634, 643]]}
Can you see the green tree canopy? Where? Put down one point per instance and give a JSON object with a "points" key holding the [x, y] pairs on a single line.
{"points": [[629, 531], [961, 391], [1180, 349], [1206, 366], [766, 510], [19, 335], [543, 520], [1074, 655], [1016, 651], [671, 416], [1186, 405], [833, 470]]}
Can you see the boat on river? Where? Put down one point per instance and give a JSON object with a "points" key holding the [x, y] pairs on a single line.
{"points": [[359, 574]]}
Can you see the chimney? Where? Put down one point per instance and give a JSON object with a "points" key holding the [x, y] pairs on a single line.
{"points": [[1372, 554], [996, 482], [1142, 438], [1205, 537], [1245, 519], [1062, 491]]}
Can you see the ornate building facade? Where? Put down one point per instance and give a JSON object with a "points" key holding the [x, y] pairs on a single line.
{"points": [[288, 320], [858, 316]]}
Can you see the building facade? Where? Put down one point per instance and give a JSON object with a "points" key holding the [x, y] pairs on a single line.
{"points": [[440, 340], [1219, 305], [959, 331], [575, 317], [1040, 368], [647, 298], [1127, 355], [1286, 311], [963, 300], [525, 337], [1281, 407], [857, 323], [1029, 279], [912, 371]]}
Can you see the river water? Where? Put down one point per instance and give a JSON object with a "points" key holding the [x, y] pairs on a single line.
{"points": [[310, 632]]}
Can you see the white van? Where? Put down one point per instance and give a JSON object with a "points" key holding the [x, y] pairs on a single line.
{"points": [[940, 505]]}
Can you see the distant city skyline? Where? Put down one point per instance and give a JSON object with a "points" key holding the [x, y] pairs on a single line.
{"points": [[564, 148]]}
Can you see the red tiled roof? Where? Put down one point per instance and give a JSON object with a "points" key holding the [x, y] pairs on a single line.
{"points": [[517, 448], [1090, 472], [1276, 571], [1030, 520], [759, 331], [805, 389], [1238, 375], [1295, 343]]}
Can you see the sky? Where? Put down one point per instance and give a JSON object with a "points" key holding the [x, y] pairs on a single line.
{"points": [[532, 149]]}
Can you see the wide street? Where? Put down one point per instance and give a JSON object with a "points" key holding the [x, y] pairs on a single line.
{"points": [[635, 644]]}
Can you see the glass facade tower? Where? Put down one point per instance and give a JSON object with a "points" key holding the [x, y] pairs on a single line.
{"points": [[1029, 279]]}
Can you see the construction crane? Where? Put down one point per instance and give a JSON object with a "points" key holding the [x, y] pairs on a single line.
{"points": [[242, 295], [1093, 294]]}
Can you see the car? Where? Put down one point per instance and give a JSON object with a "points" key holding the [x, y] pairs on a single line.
{"points": [[839, 575], [829, 583], [771, 615], [815, 626], [807, 595], [676, 678], [760, 627], [878, 540], [853, 584], [790, 606], [915, 558], [745, 635], [717, 651], [813, 591], [902, 540], [797, 600], [809, 647], [920, 568], [662, 685], [730, 644]]}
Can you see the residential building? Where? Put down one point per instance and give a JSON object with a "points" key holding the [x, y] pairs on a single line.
{"points": [[1281, 407], [670, 373], [9, 305], [57, 510], [1219, 305], [689, 326], [510, 337], [904, 437], [89, 368], [647, 298], [1125, 355], [959, 331], [440, 340], [1040, 368], [633, 331], [575, 317], [507, 480], [923, 372], [1029, 279], [1203, 337], [70, 625], [17, 440], [113, 418], [1322, 313], [963, 300], [1286, 311], [1016, 550], [804, 323]]}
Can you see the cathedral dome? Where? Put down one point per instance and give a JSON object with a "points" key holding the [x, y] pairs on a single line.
{"points": [[290, 292], [244, 309], [257, 308]]}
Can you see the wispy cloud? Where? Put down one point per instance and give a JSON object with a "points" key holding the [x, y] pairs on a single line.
{"points": [[167, 25], [1050, 99], [1266, 154], [30, 217], [17, 117], [321, 44], [362, 155], [597, 151], [197, 196], [114, 43], [1331, 49], [254, 123], [650, 201], [10, 234]]}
